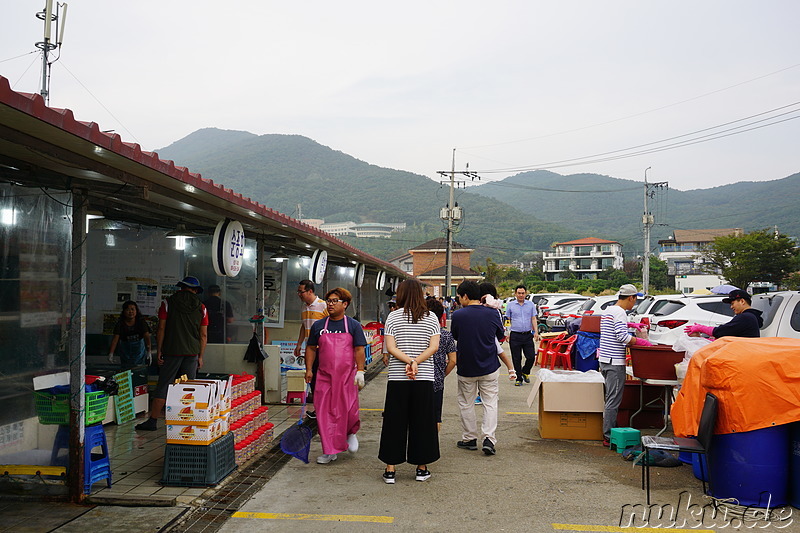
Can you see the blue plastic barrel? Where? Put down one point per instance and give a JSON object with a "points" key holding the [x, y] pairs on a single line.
{"points": [[794, 464], [752, 467], [685, 457]]}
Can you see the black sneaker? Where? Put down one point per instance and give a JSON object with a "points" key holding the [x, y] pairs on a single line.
{"points": [[423, 475], [312, 415], [488, 447], [468, 444], [148, 425], [526, 377], [388, 477]]}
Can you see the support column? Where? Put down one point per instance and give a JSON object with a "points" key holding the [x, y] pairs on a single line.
{"points": [[77, 346]]}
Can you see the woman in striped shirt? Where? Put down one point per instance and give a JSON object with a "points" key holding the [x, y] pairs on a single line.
{"points": [[409, 425]]}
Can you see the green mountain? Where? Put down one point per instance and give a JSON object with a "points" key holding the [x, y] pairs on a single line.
{"points": [[282, 171], [601, 206]]}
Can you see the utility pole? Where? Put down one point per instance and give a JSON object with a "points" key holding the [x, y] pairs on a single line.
{"points": [[452, 215], [47, 45], [648, 221]]}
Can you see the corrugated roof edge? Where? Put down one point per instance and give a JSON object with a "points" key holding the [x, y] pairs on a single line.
{"points": [[33, 105]]}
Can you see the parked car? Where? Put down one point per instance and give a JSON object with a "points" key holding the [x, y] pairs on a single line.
{"points": [[556, 300], [536, 298], [596, 304], [666, 324], [644, 309], [556, 316], [781, 313]]}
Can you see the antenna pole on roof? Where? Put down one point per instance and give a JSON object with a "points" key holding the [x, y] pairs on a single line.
{"points": [[49, 16]]}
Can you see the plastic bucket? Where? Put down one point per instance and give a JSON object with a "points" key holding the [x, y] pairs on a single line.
{"points": [[794, 465], [752, 467], [685, 457]]}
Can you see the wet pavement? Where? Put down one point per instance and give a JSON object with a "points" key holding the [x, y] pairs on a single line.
{"points": [[532, 484]]}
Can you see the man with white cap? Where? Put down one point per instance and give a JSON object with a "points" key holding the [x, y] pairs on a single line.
{"points": [[614, 338]]}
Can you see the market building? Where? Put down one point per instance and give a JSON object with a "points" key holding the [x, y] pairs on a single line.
{"points": [[88, 221]]}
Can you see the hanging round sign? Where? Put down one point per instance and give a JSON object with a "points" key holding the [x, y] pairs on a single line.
{"points": [[380, 281], [358, 278], [319, 262], [227, 248]]}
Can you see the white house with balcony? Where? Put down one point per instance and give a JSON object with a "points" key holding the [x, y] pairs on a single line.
{"points": [[682, 251], [585, 258]]}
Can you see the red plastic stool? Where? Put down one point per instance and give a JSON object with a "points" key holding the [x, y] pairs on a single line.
{"points": [[299, 395]]}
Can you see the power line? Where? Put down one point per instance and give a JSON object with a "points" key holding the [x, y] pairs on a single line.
{"points": [[99, 102], [637, 114], [587, 159]]}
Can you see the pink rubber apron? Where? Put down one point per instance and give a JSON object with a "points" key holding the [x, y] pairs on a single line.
{"points": [[336, 394]]}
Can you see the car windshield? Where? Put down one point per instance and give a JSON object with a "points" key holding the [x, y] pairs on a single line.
{"points": [[768, 307], [587, 305]]}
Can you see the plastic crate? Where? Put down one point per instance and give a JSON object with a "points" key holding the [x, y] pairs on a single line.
{"points": [[53, 409], [198, 466]]}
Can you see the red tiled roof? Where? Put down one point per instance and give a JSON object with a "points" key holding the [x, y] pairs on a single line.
{"points": [[33, 104], [587, 240]]}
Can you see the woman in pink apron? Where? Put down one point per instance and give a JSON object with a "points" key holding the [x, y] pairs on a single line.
{"points": [[338, 343]]}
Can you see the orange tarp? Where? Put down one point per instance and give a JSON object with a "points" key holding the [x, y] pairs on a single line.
{"points": [[757, 382]]}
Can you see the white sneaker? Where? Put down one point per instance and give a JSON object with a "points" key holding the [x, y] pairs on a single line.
{"points": [[325, 459], [352, 443]]}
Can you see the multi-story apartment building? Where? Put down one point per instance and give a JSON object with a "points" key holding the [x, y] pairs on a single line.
{"points": [[682, 252], [586, 258]]}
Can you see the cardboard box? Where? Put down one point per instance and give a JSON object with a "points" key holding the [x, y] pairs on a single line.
{"points": [[295, 380], [573, 397], [191, 434], [191, 403], [569, 425], [569, 410]]}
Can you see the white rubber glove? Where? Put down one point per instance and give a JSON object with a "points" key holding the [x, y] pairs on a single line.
{"points": [[149, 358], [360, 379], [512, 375], [111, 358]]}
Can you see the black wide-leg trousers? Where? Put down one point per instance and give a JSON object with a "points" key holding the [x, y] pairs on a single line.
{"points": [[409, 424]]}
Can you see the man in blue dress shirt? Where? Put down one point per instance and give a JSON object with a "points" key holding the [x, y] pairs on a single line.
{"points": [[524, 333]]}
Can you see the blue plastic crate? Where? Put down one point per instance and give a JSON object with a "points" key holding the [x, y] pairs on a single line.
{"points": [[198, 466]]}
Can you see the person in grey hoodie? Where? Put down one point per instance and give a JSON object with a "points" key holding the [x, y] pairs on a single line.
{"points": [[181, 340]]}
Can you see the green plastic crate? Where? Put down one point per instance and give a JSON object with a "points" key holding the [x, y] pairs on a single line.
{"points": [[53, 409]]}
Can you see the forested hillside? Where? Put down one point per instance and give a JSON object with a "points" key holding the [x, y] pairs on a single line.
{"points": [[282, 171]]}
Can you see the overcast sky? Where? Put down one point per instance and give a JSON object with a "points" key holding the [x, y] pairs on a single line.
{"points": [[509, 84]]}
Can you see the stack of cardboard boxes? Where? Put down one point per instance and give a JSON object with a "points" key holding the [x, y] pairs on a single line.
{"points": [[198, 411]]}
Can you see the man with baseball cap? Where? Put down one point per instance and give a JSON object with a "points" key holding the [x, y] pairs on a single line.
{"points": [[614, 338], [181, 341], [747, 321]]}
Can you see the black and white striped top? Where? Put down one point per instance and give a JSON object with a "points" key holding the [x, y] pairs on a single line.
{"points": [[412, 339]]}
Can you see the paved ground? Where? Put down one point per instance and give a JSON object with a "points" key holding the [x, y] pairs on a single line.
{"points": [[530, 485]]}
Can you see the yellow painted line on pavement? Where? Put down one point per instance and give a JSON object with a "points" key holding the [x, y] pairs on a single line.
{"points": [[615, 529], [369, 409], [519, 413], [317, 517]]}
